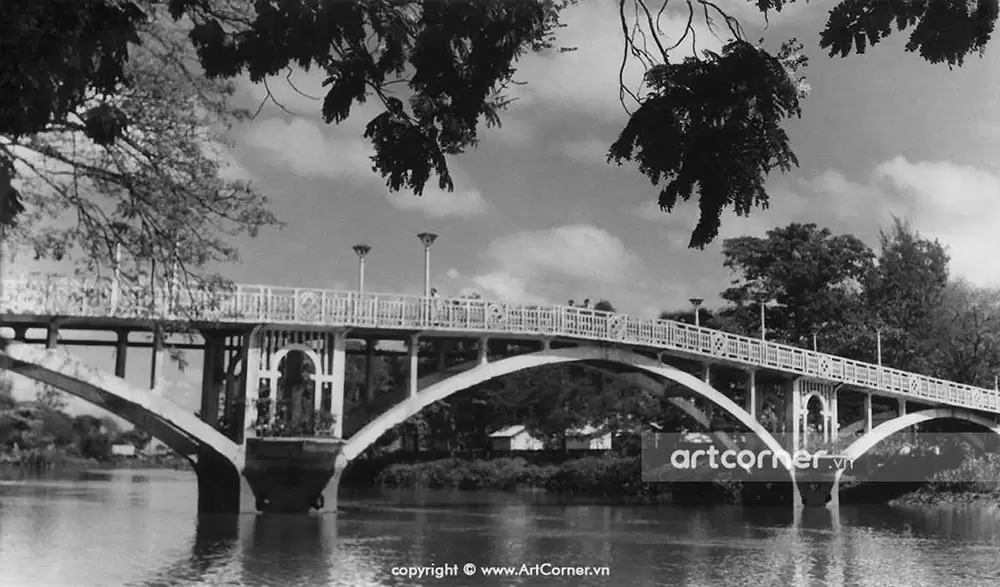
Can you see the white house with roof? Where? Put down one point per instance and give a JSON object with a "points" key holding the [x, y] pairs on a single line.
{"points": [[588, 438], [513, 438]]}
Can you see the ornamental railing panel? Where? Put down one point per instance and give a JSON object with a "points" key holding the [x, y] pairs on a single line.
{"points": [[51, 296]]}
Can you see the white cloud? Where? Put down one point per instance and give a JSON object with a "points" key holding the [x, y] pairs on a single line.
{"points": [[438, 203], [309, 150], [453, 273], [536, 265], [959, 205], [587, 151]]}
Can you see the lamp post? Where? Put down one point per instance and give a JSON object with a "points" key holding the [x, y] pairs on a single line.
{"points": [[696, 302], [878, 343], [817, 331], [427, 238], [763, 327], [361, 251]]}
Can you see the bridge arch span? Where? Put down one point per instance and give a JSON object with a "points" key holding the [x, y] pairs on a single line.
{"points": [[859, 447], [182, 431], [464, 380]]}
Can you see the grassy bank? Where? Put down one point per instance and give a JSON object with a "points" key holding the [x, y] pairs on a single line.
{"points": [[975, 481], [606, 477], [46, 460]]}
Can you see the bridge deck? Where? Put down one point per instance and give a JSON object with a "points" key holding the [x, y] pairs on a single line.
{"points": [[105, 304]]}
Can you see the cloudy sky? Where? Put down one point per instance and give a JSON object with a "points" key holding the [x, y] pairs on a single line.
{"points": [[537, 213]]}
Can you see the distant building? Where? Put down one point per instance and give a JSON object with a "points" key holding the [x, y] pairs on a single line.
{"points": [[588, 438], [123, 450], [514, 438]]}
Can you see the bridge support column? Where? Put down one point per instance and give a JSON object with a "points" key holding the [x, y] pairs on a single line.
{"points": [[221, 488], [52, 336], [293, 475], [868, 412], [484, 350], [413, 376], [337, 382], [156, 362], [709, 409], [121, 353], [211, 374], [794, 414], [369, 370], [251, 374], [751, 395]]}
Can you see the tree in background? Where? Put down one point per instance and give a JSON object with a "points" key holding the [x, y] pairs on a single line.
{"points": [[967, 333], [50, 398], [903, 296], [810, 279]]}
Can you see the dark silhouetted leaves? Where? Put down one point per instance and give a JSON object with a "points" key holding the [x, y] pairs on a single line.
{"points": [[66, 50], [944, 31], [713, 125], [458, 56], [104, 124]]}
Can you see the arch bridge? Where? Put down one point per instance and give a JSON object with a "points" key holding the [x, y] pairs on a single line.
{"points": [[273, 420]]}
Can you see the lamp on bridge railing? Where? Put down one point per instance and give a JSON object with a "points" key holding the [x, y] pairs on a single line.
{"points": [[817, 331], [427, 238], [878, 345], [696, 302], [361, 251]]}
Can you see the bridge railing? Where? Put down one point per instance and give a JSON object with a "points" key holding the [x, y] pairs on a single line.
{"points": [[302, 306]]}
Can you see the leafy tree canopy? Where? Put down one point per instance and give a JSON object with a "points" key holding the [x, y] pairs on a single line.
{"points": [[809, 278], [708, 126]]}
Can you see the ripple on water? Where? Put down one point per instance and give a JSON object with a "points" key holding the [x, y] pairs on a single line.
{"points": [[140, 530]]}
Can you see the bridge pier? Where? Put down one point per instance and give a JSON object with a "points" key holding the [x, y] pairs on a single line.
{"points": [[221, 487], [289, 475]]}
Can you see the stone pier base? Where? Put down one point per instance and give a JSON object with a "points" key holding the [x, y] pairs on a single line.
{"points": [[819, 487], [221, 487], [289, 475]]}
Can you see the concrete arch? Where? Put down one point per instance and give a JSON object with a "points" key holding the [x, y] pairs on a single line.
{"points": [[305, 350], [399, 395], [182, 431], [442, 389], [859, 447]]}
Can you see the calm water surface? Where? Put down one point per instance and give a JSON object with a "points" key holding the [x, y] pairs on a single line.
{"points": [[139, 528]]}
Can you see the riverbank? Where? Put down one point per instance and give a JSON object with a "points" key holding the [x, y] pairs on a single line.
{"points": [[975, 482], [54, 460], [607, 477], [619, 478]]}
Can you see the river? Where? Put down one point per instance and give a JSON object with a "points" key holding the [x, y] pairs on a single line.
{"points": [[139, 528]]}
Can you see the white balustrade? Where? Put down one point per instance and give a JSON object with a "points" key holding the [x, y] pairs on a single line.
{"points": [[57, 296]]}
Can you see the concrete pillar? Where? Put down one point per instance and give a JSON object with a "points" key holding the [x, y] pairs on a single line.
{"points": [[156, 364], [751, 395], [835, 413], [902, 407], [52, 336], [121, 353], [337, 382], [370, 370], [868, 412], [251, 370], [706, 376], [484, 350], [209, 375], [791, 391], [413, 346]]}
